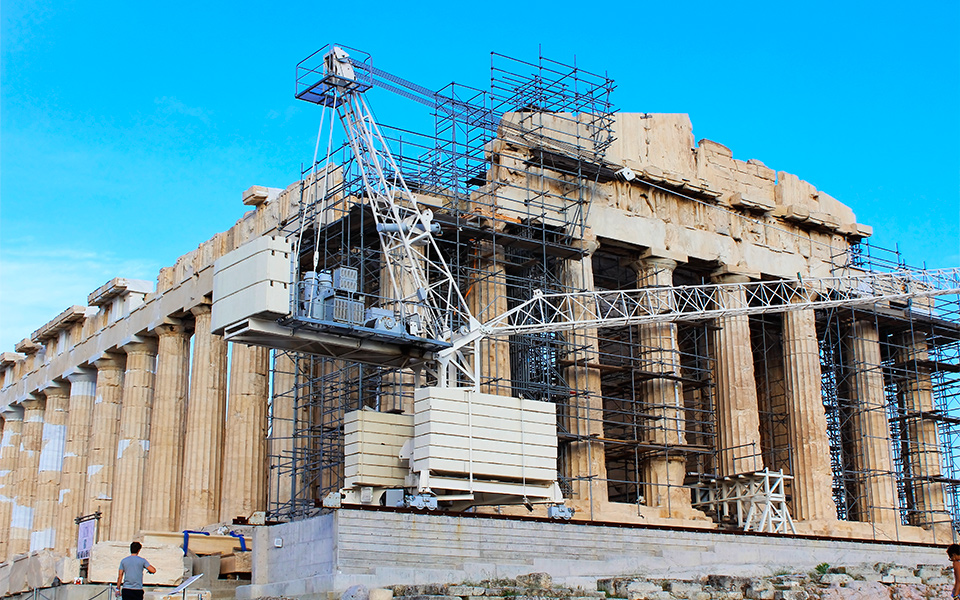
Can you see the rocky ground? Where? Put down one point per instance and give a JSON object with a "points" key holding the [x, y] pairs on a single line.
{"points": [[882, 581]]}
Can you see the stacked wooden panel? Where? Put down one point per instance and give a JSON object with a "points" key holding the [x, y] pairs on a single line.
{"points": [[372, 443], [465, 433]]}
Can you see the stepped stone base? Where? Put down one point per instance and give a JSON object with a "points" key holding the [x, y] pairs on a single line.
{"points": [[308, 559]]}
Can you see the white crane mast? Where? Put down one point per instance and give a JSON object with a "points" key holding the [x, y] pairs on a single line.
{"points": [[422, 287]]}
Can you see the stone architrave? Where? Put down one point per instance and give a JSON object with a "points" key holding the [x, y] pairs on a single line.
{"points": [[738, 412], [163, 478], [203, 440], [244, 445], [133, 441], [807, 420], [923, 448], [105, 430], [50, 468], [74, 477], [31, 440], [584, 459], [877, 501], [662, 396], [9, 456]]}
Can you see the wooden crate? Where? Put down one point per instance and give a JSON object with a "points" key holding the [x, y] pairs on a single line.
{"points": [[459, 431], [372, 443]]}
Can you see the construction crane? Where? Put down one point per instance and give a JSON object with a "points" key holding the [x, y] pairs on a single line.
{"points": [[434, 307], [423, 321]]}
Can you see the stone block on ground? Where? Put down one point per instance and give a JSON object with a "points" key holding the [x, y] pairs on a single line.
{"points": [[355, 592], [169, 561], [237, 563], [539, 580], [42, 569], [17, 581], [835, 578], [684, 589], [382, 594], [68, 569]]}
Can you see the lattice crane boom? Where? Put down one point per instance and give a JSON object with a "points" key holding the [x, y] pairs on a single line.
{"points": [[591, 309]]}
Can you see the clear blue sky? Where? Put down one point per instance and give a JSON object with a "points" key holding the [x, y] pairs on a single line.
{"points": [[129, 130]]}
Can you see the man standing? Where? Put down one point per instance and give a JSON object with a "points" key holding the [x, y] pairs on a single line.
{"points": [[954, 553], [130, 577]]}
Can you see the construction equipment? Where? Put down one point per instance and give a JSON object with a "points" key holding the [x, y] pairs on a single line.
{"points": [[422, 321]]}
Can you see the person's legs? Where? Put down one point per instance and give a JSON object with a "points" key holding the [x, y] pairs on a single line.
{"points": [[131, 594]]}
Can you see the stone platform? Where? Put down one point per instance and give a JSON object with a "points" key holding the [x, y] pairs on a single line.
{"points": [[378, 548]]}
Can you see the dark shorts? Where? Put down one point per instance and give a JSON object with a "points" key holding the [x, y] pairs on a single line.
{"points": [[131, 594]]}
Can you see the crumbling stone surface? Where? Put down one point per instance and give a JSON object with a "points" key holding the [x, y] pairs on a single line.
{"points": [[837, 583]]}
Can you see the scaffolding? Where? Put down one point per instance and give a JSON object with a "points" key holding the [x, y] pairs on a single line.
{"points": [[510, 173], [891, 392]]}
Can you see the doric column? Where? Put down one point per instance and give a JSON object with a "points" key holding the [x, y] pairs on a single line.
{"points": [[105, 429], [807, 425], [162, 481], [738, 415], [584, 459], [50, 468], [203, 441], [9, 456], [245, 435], [134, 439], [280, 442], [661, 395], [487, 298], [31, 438], [915, 389], [877, 502], [74, 478]]}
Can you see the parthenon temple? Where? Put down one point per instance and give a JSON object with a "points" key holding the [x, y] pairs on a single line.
{"points": [[150, 411]]}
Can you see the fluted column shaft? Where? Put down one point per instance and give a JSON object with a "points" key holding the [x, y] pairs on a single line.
{"points": [[9, 457], [50, 468], [923, 450], [280, 441], [487, 298], [245, 435], [74, 476], [584, 459], [163, 478], [203, 441], [31, 439], [738, 414], [134, 439], [807, 425], [662, 397], [105, 429], [878, 501]]}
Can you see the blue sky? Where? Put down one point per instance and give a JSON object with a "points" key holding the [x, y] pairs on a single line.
{"points": [[128, 131]]}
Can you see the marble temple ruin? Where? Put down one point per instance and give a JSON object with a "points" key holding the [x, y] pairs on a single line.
{"points": [[138, 407]]}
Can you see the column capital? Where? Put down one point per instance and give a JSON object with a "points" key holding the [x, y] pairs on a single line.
{"points": [[200, 309], [664, 254], [81, 375], [109, 361], [56, 388], [171, 327], [14, 412], [141, 346], [32, 402], [588, 245], [734, 274]]}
